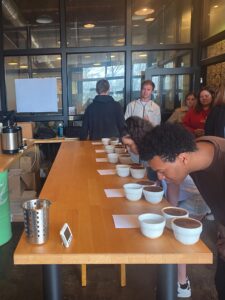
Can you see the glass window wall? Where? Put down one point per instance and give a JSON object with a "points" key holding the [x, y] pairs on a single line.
{"points": [[98, 23], [214, 21], [170, 89], [161, 22], [84, 70], [40, 66], [33, 24]]}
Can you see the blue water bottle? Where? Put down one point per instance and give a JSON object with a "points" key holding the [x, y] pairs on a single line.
{"points": [[60, 130]]}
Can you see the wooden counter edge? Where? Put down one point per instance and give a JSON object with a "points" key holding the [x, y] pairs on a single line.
{"points": [[192, 258]]}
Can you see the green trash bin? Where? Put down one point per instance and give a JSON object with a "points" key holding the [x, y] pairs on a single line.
{"points": [[5, 222]]}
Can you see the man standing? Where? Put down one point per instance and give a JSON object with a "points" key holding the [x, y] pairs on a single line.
{"points": [[144, 107], [104, 116], [173, 153]]}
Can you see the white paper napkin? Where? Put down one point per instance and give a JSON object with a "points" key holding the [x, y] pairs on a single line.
{"points": [[101, 159], [114, 193], [126, 221], [100, 151], [107, 172]]}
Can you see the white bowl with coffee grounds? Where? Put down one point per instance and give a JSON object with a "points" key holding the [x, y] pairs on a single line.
{"points": [[186, 230], [171, 212], [153, 194]]}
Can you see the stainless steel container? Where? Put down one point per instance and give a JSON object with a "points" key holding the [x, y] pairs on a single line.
{"points": [[9, 140], [19, 137], [36, 220]]}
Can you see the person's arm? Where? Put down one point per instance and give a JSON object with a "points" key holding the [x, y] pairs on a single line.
{"points": [[85, 126], [128, 142], [187, 121], [172, 194], [128, 112], [158, 116], [174, 117], [121, 123]]}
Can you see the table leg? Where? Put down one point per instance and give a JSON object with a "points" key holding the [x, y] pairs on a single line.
{"points": [[51, 282], [167, 282]]}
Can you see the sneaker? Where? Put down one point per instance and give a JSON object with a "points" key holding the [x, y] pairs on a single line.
{"points": [[184, 290]]}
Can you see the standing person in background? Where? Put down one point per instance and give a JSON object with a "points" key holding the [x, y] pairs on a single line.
{"points": [[104, 116], [144, 107], [196, 117], [215, 123], [179, 113]]}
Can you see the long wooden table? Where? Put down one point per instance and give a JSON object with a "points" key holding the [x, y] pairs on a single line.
{"points": [[77, 194]]}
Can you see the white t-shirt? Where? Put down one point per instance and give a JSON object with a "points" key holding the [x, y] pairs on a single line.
{"points": [[146, 110]]}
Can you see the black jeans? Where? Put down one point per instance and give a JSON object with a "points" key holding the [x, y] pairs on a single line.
{"points": [[220, 278]]}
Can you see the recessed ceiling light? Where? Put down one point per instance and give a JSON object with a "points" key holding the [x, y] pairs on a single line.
{"points": [[216, 6], [144, 11], [97, 64], [23, 66], [58, 58], [136, 25], [138, 18], [149, 19], [86, 39], [143, 55], [112, 56], [44, 19], [12, 63], [87, 56], [89, 25]]}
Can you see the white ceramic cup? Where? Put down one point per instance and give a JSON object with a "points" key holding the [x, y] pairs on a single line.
{"points": [[152, 225], [113, 158], [105, 141], [153, 194], [109, 148], [186, 235], [171, 212], [132, 191], [123, 170]]}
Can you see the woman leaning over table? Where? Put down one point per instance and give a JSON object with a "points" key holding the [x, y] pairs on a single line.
{"points": [[196, 117]]}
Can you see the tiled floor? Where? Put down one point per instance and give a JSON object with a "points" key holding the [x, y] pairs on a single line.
{"points": [[25, 282]]}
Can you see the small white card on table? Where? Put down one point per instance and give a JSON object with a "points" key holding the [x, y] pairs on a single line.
{"points": [[100, 151], [114, 193], [101, 159], [126, 221], [97, 143], [107, 172]]}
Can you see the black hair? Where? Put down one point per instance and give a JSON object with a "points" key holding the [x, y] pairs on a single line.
{"points": [[102, 86], [137, 128], [166, 141]]}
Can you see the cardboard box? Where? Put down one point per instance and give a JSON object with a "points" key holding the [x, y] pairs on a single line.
{"points": [[26, 163], [15, 184], [27, 129], [16, 205], [31, 180]]}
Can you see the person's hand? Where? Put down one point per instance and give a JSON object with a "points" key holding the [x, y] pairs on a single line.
{"points": [[199, 132], [128, 142]]}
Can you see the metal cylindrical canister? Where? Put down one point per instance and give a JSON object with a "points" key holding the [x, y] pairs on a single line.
{"points": [[36, 220], [9, 140]]}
